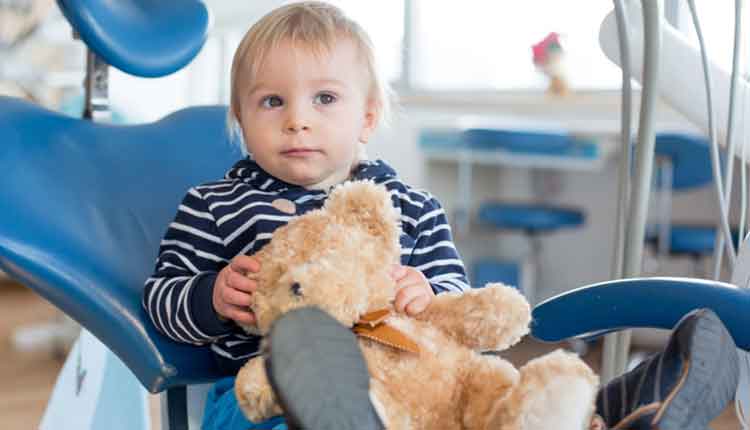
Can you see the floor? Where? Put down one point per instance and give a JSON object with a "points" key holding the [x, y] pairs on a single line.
{"points": [[31, 374]]}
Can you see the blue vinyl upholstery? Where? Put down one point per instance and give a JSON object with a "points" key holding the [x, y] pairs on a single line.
{"points": [[552, 143], [640, 302], [84, 207], [690, 157], [146, 38], [533, 218], [685, 239], [690, 160], [516, 141]]}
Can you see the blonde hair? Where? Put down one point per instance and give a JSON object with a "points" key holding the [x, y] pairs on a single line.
{"points": [[314, 25]]}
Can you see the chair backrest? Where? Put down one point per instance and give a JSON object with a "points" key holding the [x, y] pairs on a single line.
{"points": [[140, 37], [84, 207], [690, 159]]}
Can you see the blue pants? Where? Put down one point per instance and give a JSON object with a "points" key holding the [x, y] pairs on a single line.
{"points": [[223, 413]]}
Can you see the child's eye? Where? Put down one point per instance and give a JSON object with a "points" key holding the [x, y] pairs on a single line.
{"points": [[271, 102], [324, 98]]}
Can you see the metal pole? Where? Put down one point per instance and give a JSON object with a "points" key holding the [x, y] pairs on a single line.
{"points": [[610, 341], [97, 89], [636, 223]]}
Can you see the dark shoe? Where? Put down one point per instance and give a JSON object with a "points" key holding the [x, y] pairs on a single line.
{"points": [[319, 374], [683, 387]]}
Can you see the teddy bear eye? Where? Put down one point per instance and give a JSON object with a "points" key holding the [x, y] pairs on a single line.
{"points": [[296, 289]]}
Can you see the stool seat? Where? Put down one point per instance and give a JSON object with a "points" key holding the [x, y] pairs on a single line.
{"points": [[146, 38], [689, 239], [529, 217]]}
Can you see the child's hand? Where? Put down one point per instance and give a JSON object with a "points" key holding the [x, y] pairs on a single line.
{"points": [[414, 291], [233, 290]]}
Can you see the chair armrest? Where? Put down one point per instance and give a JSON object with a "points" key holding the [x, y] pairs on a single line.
{"points": [[640, 302]]}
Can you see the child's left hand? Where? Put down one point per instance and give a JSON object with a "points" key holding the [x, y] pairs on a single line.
{"points": [[414, 291]]}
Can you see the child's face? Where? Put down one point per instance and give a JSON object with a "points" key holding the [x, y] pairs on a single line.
{"points": [[303, 115]]}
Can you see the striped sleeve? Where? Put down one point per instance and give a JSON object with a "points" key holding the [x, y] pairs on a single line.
{"points": [[178, 296], [434, 252]]}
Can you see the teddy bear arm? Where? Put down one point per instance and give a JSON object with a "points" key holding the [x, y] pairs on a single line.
{"points": [[254, 394], [492, 318]]}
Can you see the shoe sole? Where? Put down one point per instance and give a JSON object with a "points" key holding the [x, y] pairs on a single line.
{"points": [[319, 374], [711, 379]]}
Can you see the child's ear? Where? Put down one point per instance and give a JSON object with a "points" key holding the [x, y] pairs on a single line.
{"points": [[371, 120]]}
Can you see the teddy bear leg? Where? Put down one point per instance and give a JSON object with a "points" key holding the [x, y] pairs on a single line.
{"points": [[393, 414], [254, 394], [488, 381], [491, 318], [556, 391]]}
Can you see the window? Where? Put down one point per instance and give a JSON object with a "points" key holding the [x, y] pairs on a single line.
{"points": [[384, 22], [478, 44], [717, 24], [472, 44]]}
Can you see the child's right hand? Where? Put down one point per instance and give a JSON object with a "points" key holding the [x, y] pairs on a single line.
{"points": [[233, 290]]}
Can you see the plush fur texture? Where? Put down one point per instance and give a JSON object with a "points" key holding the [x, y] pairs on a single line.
{"points": [[340, 257]]}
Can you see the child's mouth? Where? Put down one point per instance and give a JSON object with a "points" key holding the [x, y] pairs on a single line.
{"points": [[299, 152]]}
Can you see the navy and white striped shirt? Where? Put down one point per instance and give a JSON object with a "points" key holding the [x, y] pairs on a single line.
{"points": [[219, 220]]}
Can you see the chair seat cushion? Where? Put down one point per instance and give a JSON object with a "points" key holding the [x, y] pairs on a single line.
{"points": [[685, 239], [529, 217], [142, 37]]}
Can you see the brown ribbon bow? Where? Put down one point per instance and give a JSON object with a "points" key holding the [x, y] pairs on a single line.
{"points": [[373, 326]]}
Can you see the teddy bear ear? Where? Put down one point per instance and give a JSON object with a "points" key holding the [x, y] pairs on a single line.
{"points": [[367, 204]]}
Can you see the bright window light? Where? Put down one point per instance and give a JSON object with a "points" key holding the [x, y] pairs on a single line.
{"points": [[384, 22], [479, 44]]}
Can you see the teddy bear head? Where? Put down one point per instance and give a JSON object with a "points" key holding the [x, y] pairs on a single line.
{"points": [[337, 258]]}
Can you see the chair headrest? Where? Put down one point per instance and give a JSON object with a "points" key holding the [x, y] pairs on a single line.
{"points": [[148, 38]]}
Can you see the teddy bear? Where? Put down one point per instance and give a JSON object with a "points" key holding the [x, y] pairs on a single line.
{"points": [[338, 257]]}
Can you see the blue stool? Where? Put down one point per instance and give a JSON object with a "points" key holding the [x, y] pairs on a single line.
{"points": [[683, 163], [531, 219]]}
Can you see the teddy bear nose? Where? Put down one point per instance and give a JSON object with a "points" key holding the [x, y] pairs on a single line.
{"points": [[296, 289]]}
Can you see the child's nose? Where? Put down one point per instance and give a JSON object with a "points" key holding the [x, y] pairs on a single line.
{"points": [[297, 120], [296, 127]]}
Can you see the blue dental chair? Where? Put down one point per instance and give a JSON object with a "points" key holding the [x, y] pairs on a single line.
{"points": [[84, 206], [683, 163]]}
